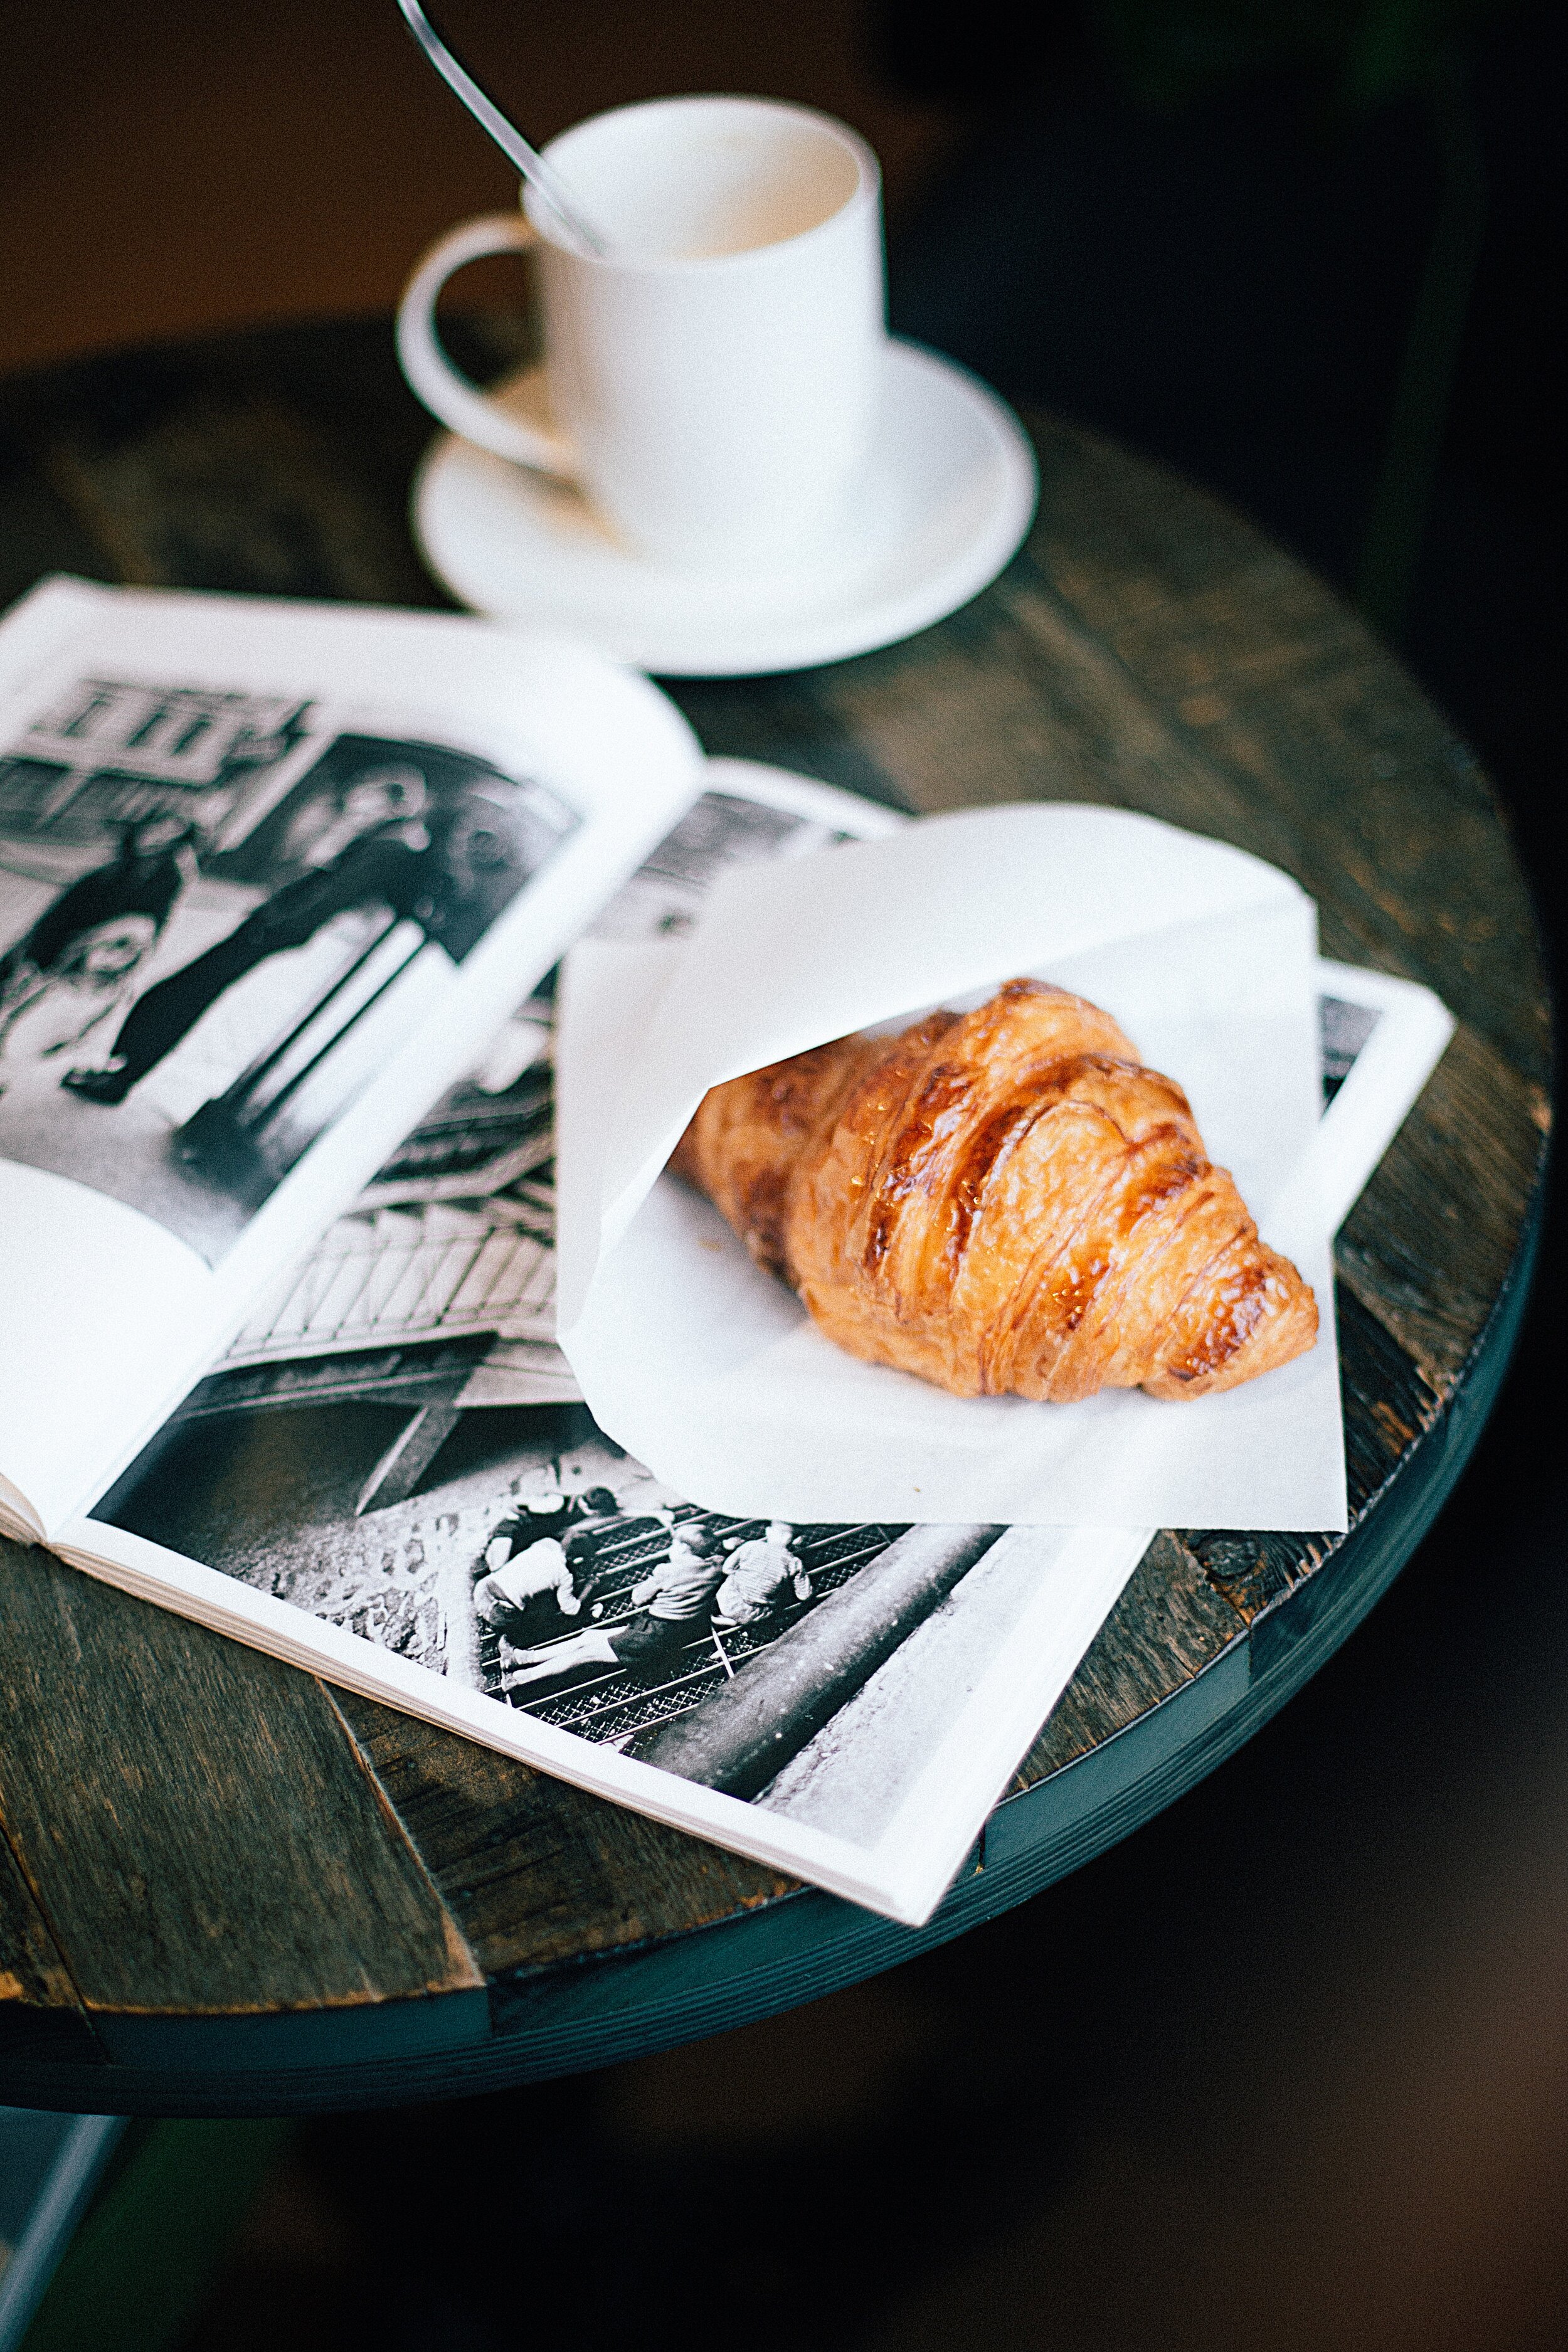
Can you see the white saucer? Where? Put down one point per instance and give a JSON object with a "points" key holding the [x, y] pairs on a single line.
{"points": [[947, 496]]}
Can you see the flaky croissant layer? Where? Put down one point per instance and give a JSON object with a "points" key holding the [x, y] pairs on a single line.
{"points": [[1002, 1201]]}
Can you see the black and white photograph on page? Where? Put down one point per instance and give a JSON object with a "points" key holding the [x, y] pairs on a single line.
{"points": [[220, 912], [531, 1560]]}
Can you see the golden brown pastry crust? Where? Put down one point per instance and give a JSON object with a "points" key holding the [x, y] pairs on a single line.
{"points": [[1002, 1201]]}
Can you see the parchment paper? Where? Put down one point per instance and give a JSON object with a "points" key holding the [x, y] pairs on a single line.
{"points": [[711, 1372]]}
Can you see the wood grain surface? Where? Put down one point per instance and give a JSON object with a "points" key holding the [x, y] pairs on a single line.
{"points": [[194, 1830], [121, 1729], [533, 1871], [40, 2012]]}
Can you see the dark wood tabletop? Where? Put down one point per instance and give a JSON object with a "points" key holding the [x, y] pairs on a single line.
{"points": [[224, 1887]]}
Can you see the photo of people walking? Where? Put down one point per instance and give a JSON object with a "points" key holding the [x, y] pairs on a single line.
{"points": [[218, 916]]}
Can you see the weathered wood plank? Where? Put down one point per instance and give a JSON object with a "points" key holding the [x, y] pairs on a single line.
{"points": [[228, 479], [1169, 1625], [1252, 1572], [788, 723], [1428, 1245], [1389, 1405], [40, 2014], [31, 1968], [535, 1871], [202, 1835], [1194, 1590], [1380, 812], [195, 468]]}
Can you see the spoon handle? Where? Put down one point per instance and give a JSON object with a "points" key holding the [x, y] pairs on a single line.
{"points": [[539, 174]]}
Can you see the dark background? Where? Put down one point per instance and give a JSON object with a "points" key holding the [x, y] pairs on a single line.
{"points": [[1290, 2068]]}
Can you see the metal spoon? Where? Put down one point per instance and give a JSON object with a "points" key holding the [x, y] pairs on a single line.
{"points": [[540, 177]]}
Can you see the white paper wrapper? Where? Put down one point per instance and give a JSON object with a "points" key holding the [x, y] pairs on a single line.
{"points": [[710, 1370]]}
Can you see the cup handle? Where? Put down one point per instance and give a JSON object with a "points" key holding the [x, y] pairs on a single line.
{"points": [[445, 393]]}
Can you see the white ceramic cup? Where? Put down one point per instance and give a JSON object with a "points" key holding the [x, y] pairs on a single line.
{"points": [[714, 378]]}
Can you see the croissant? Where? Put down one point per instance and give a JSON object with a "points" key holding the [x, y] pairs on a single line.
{"points": [[1002, 1201]]}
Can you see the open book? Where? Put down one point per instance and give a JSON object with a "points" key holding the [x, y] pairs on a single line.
{"points": [[281, 890]]}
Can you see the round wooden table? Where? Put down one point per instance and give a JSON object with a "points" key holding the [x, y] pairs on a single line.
{"points": [[226, 1887]]}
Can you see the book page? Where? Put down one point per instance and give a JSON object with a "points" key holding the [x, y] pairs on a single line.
{"points": [[267, 876]]}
